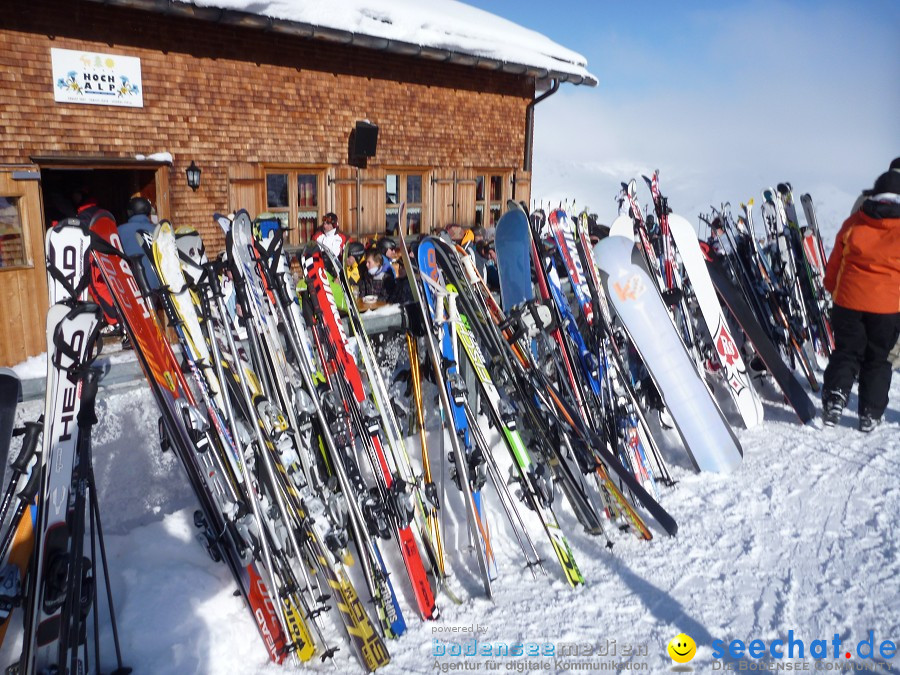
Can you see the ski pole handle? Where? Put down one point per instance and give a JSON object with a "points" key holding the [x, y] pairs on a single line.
{"points": [[31, 432], [87, 416], [30, 489]]}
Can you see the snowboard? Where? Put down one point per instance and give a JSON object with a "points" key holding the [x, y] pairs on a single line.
{"points": [[513, 245], [735, 372], [785, 379], [708, 439]]}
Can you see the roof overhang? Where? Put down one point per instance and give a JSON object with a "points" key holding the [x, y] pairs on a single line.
{"points": [[95, 162], [306, 30]]}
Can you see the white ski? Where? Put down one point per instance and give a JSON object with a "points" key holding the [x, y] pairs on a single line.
{"points": [[733, 369]]}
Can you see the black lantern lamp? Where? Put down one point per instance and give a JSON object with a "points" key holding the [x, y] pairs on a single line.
{"points": [[193, 176]]}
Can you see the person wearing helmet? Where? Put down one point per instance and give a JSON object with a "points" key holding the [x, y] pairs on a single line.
{"points": [[139, 210], [329, 236], [355, 253], [387, 246]]}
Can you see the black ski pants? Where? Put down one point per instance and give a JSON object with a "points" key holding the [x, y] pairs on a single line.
{"points": [[862, 343]]}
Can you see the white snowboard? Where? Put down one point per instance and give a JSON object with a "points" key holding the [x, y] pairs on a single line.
{"points": [[708, 438]]}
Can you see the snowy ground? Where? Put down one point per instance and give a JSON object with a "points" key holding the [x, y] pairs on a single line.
{"points": [[802, 537]]}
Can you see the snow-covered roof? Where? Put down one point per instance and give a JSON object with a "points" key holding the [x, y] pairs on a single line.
{"points": [[441, 30]]}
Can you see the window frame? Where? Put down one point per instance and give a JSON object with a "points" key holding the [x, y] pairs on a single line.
{"points": [[27, 261], [403, 174], [296, 233], [486, 204]]}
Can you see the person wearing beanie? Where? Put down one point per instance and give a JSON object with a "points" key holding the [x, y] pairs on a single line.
{"points": [[895, 352], [865, 194], [863, 277]]}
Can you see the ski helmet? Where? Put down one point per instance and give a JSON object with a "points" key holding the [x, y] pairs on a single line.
{"points": [[356, 249]]}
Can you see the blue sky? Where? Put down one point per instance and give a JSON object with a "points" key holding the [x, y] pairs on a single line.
{"points": [[723, 97]]}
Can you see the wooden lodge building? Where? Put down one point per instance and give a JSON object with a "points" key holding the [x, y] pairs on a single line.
{"points": [[294, 115]]}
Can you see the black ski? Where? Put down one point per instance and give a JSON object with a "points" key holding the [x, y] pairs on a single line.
{"points": [[732, 297]]}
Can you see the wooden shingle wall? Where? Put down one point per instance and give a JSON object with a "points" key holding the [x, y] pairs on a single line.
{"points": [[228, 97]]}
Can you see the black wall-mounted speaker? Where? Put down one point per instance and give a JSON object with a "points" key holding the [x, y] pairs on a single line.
{"points": [[362, 143], [365, 140]]}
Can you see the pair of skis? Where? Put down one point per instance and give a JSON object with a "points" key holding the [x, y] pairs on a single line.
{"points": [[64, 576]]}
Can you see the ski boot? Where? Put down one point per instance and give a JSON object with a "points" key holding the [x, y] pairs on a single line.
{"points": [[867, 423], [833, 403]]}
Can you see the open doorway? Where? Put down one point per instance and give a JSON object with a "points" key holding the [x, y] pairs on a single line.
{"points": [[64, 190]]}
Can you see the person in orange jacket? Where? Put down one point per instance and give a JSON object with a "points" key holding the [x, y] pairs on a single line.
{"points": [[863, 277]]}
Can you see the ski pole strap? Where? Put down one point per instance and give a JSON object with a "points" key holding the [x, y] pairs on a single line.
{"points": [[196, 271], [62, 348]]}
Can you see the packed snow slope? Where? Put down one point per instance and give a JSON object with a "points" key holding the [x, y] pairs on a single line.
{"points": [[802, 537]]}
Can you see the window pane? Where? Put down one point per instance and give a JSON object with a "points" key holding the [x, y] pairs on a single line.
{"points": [[414, 220], [12, 239], [496, 188], [307, 221], [479, 215], [479, 188], [391, 219], [392, 186], [414, 188], [276, 190], [307, 190], [495, 214]]}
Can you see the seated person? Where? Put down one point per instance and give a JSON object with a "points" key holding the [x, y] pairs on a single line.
{"points": [[377, 279], [355, 253], [387, 246]]}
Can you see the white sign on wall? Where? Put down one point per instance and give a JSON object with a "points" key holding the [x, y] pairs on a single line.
{"points": [[96, 79]]}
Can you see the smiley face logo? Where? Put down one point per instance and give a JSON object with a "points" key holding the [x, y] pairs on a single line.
{"points": [[682, 648]]}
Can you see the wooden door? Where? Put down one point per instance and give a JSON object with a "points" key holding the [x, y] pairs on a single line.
{"points": [[23, 276], [344, 202], [246, 188], [465, 202], [372, 196], [443, 200]]}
